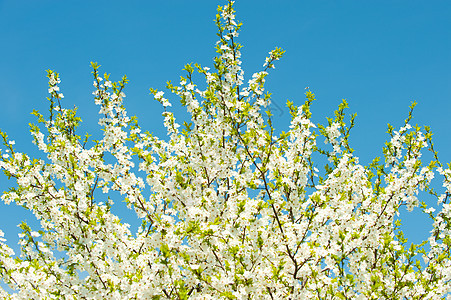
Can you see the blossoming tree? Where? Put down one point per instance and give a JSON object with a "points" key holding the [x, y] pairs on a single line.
{"points": [[229, 210]]}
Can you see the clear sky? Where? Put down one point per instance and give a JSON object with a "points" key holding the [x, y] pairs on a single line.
{"points": [[379, 55]]}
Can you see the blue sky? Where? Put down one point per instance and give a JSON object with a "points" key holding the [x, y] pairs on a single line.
{"points": [[379, 55]]}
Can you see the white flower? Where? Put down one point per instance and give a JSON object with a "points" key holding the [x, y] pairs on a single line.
{"points": [[429, 210], [159, 95], [228, 207]]}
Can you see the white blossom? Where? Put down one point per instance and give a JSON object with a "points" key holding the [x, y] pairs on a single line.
{"points": [[229, 208]]}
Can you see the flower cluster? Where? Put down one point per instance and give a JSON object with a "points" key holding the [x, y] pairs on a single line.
{"points": [[228, 209]]}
